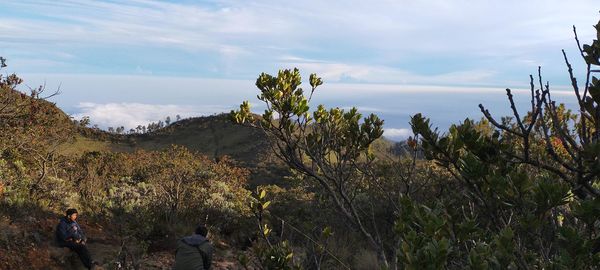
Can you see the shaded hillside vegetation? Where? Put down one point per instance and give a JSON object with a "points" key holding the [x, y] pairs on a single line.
{"points": [[134, 203], [213, 136]]}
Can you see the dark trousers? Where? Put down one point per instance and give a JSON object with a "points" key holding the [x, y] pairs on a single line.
{"points": [[82, 251]]}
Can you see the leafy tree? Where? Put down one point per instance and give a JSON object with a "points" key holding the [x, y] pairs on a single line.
{"points": [[329, 147], [84, 122], [527, 192], [31, 130]]}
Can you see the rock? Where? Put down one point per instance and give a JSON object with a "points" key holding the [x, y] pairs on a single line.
{"points": [[37, 238], [66, 257]]}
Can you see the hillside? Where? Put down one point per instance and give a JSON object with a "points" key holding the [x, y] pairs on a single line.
{"points": [[214, 136]]}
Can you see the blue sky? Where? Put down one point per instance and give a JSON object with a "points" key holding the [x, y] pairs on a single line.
{"points": [[129, 62]]}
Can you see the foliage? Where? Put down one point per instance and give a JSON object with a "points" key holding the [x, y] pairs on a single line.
{"points": [[524, 183], [269, 252], [331, 147], [145, 196], [173, 186], [31, 129]]}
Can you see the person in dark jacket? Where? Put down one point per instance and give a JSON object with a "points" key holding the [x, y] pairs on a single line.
{"points": [[194, 252], [70, 235]]}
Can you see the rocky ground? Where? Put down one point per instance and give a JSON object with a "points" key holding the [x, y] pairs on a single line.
{"points": [[28, 243]]}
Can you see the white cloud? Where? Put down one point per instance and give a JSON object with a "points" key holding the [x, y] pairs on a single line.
{"points": [[190, 27], [372, 73], [397, 134], [130, 115], [363, 109], [336, 89], [115, 100]]}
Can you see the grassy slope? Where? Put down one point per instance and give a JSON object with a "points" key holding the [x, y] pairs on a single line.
{"points": [[214, 136]]}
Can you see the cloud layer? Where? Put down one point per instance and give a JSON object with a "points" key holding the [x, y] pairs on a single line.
{"points": [[130, 115], [112, 100], [397, 134]]}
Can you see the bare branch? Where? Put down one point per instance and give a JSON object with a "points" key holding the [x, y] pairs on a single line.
{"points": [[515, 111]]}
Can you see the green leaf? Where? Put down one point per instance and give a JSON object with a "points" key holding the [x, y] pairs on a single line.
{"points": [[266, 230], [594, 89], [265, 205]]}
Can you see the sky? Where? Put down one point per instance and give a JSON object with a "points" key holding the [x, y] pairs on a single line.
{"points": [[130, 62]]}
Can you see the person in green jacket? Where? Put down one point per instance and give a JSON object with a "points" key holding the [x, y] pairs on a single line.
{"points": [[194, 252]]}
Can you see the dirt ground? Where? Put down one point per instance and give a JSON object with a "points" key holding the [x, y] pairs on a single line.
{"points": [[28, 243]]}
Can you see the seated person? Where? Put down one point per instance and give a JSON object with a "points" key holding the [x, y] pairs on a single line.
{"points": [[70, 235]]}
